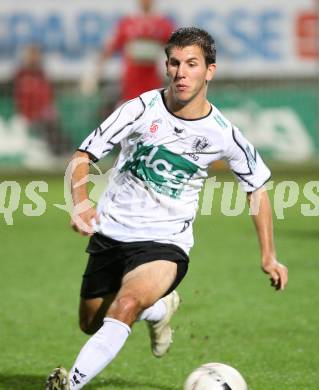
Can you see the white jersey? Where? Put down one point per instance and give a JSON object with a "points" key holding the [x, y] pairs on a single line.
{"points": [[154, 189]]}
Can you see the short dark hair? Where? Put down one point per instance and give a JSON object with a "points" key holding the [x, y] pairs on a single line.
{"points": [[188, 36]]}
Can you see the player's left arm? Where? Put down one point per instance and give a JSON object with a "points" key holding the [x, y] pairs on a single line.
{"points": [[261, 209], [252, 174]]}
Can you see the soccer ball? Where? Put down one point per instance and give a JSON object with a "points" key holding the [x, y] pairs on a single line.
{"points": [[215, 376]]}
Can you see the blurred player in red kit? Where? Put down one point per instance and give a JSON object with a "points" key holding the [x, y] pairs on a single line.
{"points": [[35, 101], [139, 39]]}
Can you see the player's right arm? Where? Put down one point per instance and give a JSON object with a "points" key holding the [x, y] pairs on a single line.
{"points": [[97, 145], [83, 212]]}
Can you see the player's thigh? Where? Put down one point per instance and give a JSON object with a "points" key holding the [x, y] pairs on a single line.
{"points": [[92, 311], [149, 282]]}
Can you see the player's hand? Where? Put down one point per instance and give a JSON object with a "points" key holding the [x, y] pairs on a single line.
{"points": [[278, 272], [82, 221]]}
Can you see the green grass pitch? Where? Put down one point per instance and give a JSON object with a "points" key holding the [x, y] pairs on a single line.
{"points": [[229, 312]]}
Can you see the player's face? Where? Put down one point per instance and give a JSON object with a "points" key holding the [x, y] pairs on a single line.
{"points": [[188, 73]]}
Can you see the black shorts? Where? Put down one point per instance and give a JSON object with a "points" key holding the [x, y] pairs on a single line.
{"points": [[110, 260]]}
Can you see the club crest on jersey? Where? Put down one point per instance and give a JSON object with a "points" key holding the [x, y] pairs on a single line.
{"points": [[154, 126], [200, 144]]}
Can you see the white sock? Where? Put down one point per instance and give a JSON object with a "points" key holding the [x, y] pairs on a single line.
{"points": [[98, 352], [153, 313]]}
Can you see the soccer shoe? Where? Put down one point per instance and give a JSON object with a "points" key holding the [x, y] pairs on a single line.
{"points": [[58, 380], [161, 332]]}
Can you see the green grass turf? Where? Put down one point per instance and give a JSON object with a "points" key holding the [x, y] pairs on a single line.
{"points": [[229, 312]]}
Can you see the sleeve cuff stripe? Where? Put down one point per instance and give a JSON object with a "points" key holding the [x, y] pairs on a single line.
{"points": [[91, 155]]}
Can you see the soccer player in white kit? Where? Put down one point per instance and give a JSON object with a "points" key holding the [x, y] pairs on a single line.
{"points": [[141, 231]]}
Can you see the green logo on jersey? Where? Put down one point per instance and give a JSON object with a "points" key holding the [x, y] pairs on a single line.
{"points": [[163, 170]]}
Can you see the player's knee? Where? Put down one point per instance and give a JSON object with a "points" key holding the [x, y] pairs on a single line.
{"points": [[127, 306]]}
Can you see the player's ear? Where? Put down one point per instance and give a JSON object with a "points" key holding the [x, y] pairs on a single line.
{"points": [[211, 69], [166, 64]]}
